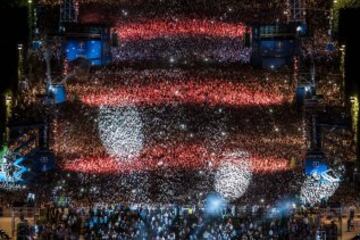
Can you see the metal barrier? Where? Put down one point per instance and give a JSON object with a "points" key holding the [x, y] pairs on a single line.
{"points": [[29, 213]]}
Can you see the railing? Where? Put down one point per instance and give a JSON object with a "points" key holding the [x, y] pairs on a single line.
{"points": [[32, 214], [4, 235]]}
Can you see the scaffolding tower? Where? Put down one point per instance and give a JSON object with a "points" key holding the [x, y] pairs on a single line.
{"points": [[69, 10], [297, 11]]}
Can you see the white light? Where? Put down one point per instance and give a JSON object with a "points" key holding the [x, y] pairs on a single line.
{"points": [[120, 131], [314, 191], [182, 126], [233, 176], [172, 60]]}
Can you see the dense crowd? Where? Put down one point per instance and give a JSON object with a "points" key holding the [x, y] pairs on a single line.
{"points": [[172, 139], [178, 125], [172, 136], [183, 51], [181, 41], [171, 222], [111, 10]]}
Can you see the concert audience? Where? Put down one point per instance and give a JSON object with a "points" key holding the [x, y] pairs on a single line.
{"points": [[190, 120]]}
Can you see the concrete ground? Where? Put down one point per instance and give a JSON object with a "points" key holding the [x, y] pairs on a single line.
{"points": [[6, 225]]}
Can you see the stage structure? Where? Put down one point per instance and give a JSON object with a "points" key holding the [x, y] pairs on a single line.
{"points": [[273, 45], [306, 88], [56, 93], [12, 168], [69, 11], [297, 11], [316, 166], [28, 150], [90, 42]]}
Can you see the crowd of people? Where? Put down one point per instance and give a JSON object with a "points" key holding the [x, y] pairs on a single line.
{"points": [[184, 124], [182, 27], [181, 41], [257, 127], [172, 135], [250, 11], [170, 222], [183, 51], [188, 122]]}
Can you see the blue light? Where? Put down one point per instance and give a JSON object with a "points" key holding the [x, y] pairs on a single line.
{"points": [[59, 93], [282, 208], [214, 204], [89, 49], [315, 166], [17, 176]]}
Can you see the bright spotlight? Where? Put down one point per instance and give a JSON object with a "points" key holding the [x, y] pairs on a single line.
{"points": [[214, 204]]}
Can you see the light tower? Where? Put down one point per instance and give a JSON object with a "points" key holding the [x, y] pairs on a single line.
{"points": [[69, 11], [297, 11]]}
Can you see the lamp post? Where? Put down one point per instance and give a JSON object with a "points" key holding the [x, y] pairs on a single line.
{"points": [[30, 19]]}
